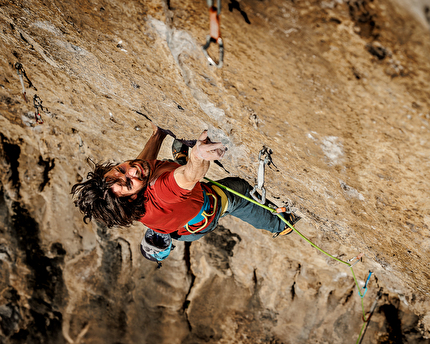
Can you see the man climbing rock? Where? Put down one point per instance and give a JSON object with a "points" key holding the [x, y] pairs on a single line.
{"points": [[168, 197]]}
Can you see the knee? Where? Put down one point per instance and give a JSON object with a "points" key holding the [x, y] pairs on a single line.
{"points": [[236, 184]]}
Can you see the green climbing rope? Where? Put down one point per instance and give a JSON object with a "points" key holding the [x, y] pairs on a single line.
{"points": [[306, 239], [280, 216]]}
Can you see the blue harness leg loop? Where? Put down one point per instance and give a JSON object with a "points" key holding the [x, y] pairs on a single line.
{"points": [[199, 217], [203, 214]]}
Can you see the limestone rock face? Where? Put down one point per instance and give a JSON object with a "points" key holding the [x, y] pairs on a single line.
{"points": [[338, 89]]}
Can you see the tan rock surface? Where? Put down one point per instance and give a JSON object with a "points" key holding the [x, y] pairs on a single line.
{"points": [[338, 89]]}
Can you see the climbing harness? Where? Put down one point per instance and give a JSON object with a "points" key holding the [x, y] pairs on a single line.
{"points": [[37, 102], [21, 72], [267, 153], [224, 199], [203, 215], [215, 33]]}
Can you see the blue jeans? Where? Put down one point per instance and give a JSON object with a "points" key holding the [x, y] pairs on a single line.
{"points": [[238, 207]]}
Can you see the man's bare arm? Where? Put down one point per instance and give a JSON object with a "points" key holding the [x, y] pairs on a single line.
{"points": [[198, 163], [153, 145]]}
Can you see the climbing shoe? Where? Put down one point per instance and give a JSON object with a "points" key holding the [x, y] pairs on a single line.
{"points": [[179, 152], [292, 220]]}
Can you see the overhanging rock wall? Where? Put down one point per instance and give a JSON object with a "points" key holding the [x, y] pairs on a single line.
{"points": [[337, 89]]}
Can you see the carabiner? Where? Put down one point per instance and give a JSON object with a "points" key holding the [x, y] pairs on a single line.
{"points": [[209, 40], [357, 258], [263, 194], [260, 177], [215, 34]]}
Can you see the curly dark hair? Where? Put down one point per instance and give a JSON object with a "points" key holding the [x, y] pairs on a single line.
{"points": [[95, 199]]}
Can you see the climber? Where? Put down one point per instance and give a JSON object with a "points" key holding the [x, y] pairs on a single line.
{"points": [[167, 196]]}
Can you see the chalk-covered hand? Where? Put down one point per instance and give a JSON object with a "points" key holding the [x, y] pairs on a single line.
{"points": [[207, 150]]}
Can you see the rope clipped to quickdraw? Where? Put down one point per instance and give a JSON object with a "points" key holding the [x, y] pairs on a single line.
{"points": [[267, 153], [215, 33], [37, 102], [358, 259]]}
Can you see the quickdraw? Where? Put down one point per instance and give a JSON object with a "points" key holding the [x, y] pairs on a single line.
{"points": [[358, 259], [215, 33], [365, 285], [21, 72], [267, 152], [37, 102]]}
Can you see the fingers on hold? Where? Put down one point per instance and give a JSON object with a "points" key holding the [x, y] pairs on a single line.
{"points": [[203, 135], [215, 146]]}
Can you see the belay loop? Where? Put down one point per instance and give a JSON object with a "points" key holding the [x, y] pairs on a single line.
{"points": [[260, 177], [215, 33]]}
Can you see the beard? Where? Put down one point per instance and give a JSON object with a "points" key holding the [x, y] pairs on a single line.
{"points": [[144, 170]]}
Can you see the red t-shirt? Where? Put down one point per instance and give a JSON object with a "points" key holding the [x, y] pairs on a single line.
{"points": [[168, 206]]}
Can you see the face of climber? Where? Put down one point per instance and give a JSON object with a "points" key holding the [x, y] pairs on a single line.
{"points": [[130, 178]]}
